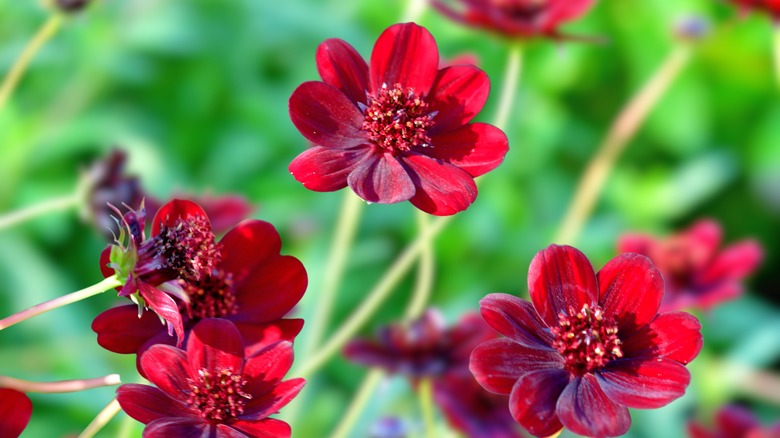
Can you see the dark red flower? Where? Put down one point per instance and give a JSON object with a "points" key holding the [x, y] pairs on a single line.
{"points": [[397, 130], [213, 389], [770, 7], [251, 284], [588, 347], [516, 18], [696, 273], [734, 422], [15, 412]]}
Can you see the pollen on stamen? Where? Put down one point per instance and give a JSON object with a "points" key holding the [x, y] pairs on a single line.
{"points": [[586, 339], [213, 296], [397, 119], [218, 396]]}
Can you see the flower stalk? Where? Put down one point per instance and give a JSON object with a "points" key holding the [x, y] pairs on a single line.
{"points": [[359, 401], [776, 46], [514, 64], [424, 282], [59, 386], [57, 204], [102, 418], [426, 407]]}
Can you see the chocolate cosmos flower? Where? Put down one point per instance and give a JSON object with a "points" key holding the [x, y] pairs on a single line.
{"points": [[398, 129], [15, 412], [735, 422], [696, 273], [515, 18], [588, 347], [213, 389]]}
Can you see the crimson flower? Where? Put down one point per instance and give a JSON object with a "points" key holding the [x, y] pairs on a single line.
{"points": [[15, 412], [398, 129], [771, 7], [516, 18], [213, 389], [696, 273], [735, 422], [590, 346]]}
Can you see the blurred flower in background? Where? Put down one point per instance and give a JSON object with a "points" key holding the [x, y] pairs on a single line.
{"points": [[734, 422], [15, 412]]}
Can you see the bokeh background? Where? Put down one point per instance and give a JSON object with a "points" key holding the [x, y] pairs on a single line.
{"points": [[196, 93]]}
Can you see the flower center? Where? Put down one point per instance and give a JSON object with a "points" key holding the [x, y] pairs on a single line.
{"points": [[218, 396], [213, 296], [397, 119], [586, 340]]}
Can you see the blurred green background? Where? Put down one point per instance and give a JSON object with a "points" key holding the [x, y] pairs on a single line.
{"points": [[197, 91]]}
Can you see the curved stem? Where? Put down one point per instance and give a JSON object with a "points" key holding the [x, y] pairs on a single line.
{"points": [[100, 421], [359, 401], [45, 33], [621, 131], [424, 282], [59, 386], [426, 407], [107, 284], [514, 64], [57, 204]]}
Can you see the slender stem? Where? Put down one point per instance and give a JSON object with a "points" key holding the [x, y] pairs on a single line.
{"points": [[45, 33], [621, 131], [60, 386], [424, 283], [373, 300], [109, 412], [425, 392], [359, 401], [776, 44], [514, 64], [57, 204], [107, 284]]}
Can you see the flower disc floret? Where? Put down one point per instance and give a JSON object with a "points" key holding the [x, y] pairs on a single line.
{"points": [[397, 119], [586, 340], [218, 395]]}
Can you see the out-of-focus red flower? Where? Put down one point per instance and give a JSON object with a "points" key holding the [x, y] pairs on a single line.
{"points": [[15, 412], [770, 7], [213, 389], [398, 129], [734, 422], [515, 18], [590, 346], [696, 272]]}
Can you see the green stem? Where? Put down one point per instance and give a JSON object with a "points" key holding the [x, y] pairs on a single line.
{"points": [[424, 282], [57, 204], [59, 386], [776, 46], [107, 284], [425, 391], [622, 130], [359, 402], [102, 418], [514, 64]]}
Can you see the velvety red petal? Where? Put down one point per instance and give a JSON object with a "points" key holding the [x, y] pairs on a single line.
{"points": [[405, 54], [249, 244], [498, 363], [534, 398], [120, 330], [258, 336], [227, 431], [173, 210], [269, 427], [15, 412], [214, 344], [340, 65], [224, 211], [733, 263], [631, 291], [644, 383], [476, 148], [382, 179], [163, 305], [515, 318], [637, 243], [470, 331], [325, 116], [105, 259], [146, 403], [180, 427], [442, 188], [268, 403], [672, 335], [267, 367], [561, 278], [457, 95], [270, 291], [326, 170], [584, 409], [167, 367]]}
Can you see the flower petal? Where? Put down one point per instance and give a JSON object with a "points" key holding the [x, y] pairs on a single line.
{"points": [[736, 421], [176, 209], [326, 170], [146, 403], [470, 331], [405, 54], [631, 291], [370, 353], [672, 335], [227, 431], [325, 116], [498, 363], [169, 427], [733, 263], [249, 244], [15, 412], [340, 65], [561, 11], [457, 95], [584, 409], [644, 383], [163, 305], [264, 404], [638, 243], [477, 148], [168, 369], [258, 336], [215, 343], [270, 291], [267, 367], [382, 179], [120, 330], [224, 211], [442, 188], [515, 318], [560, 278], [533, 400], [269, 427]]}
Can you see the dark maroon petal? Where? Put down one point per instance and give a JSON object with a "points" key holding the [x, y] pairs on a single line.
{"points": [[560, 279], [457, 95], [381, 179], [163, 305], [269, 427], [249, 244], [181, 427], [225, 211], [176, 209], [267, 367], [405, 54], [638, 243], [146, 403], [631, 291], [442, 188], [15, 412], [370, 353], [259, 336], [644, 383], [559, 11], [215, 344], [470, 331], [733, 263], [584, 409], [673, 335], [120, 330], [340, 65], [325, 170], [167, 367], [269, 403], [705, 236], [227, 431], [498, 363], [105, 259], [326, 117], [735, 421], [270, 291], [515, 318], [705, 299], [533, 400], [477, 148]]}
